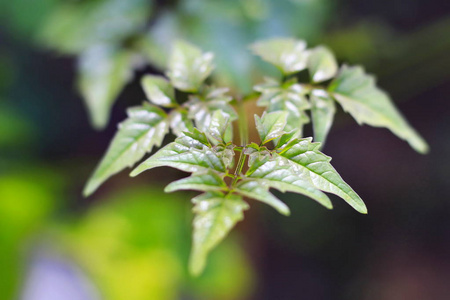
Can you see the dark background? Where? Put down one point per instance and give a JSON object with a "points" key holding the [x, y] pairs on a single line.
{"points": [[400, 250]]}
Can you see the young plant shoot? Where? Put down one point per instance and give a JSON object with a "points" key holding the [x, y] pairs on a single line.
{"points": [[229, 175]]}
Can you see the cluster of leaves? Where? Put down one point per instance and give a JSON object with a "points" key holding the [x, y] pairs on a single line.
{"points": [[281, 160]]}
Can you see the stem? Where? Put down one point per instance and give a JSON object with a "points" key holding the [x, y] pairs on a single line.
{"points": [[243, 135], [243, 126]]}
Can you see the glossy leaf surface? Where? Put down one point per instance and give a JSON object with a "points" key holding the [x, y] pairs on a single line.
{"points": [[158, 90], [189, 66], [215, 215], [187, 153], [289, 55], [206, 182], [357, 93], [322, 64], [289, 97], [270, 125], [276, 172], [145, 128], [322, 114], [259, 190], [311, 164]]}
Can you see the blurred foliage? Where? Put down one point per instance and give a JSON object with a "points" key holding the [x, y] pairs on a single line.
{"points": [[26, 203], [135, 246], [118, 27]]}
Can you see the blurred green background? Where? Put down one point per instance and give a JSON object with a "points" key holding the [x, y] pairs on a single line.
{"points": [[131, 241]]}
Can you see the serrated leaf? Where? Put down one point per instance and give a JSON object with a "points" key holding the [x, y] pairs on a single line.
{"points": [[189, 66], [103, 71], [310, 163], [271, 125], [357, 93], [289, 55], [180, 122], [322, 64], [187, 154], [322, 114], [286, 138], [158, 90], [215, 215], [226, 153], [289, 97], [207, 182], [274, 91], [258, 190], [219, 127], [201, 111], [144, 128], [199, 136], [276, 172]]}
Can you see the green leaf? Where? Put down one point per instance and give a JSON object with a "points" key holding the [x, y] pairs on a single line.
{"points": [[286, 138], [180, 122], [289, 55], [357, 93], [158, 90], [144, 128], [322, 113], [270, 125], [215, 215], [276, 172], [289, 97], [74, 26], [207, 182], [258, 190], [273, 91], [226, 153], [188, 66], [201, 111], [219, 127], [187, 153], [322, 64], [199, 136], [315, 166], [103, 73]]}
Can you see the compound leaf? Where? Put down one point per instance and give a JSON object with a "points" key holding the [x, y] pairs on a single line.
{"points": [[308, 161], [189, 66], [357, 93], [322, 114], [158, 90], [322, 64], [144, 128], [215, 215], [289, 55]]}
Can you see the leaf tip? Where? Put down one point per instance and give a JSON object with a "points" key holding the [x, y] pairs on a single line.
{"points": [[136, 172], [90, 187], [197, 263], [362, 209]]}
